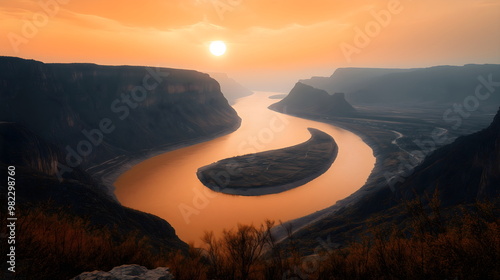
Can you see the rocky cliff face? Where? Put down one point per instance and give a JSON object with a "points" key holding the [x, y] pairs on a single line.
{"points": [[305, 99], [95, 113], [35, 162]]}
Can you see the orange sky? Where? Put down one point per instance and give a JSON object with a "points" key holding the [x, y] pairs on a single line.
{"points": [[271, 43]]}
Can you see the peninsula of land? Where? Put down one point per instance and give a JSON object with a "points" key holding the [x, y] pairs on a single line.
{"points": [[272, 171]]}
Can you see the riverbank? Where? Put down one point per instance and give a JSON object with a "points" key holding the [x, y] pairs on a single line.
{"points": [[108, 172], [380, 143], [391, 135]]}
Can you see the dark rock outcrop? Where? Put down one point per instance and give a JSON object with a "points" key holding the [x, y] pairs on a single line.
{"points": [[305, 99], [126, 272], [22, 148]]}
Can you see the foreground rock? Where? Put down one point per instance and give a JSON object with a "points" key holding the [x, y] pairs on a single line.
{"points": [[128, 272]]}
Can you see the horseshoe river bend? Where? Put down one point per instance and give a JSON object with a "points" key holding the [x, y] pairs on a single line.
{"points": [[167, 186]]}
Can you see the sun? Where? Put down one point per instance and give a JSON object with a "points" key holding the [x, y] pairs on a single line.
{"points": [[218, 48]]}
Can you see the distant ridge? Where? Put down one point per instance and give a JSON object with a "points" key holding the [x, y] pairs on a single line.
{"points": [[434, 86], [231, 89]]}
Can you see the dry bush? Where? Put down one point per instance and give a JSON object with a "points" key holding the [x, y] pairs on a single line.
{"points": [[237, 253], [466, 247], [192, 266], [430, 245], [54, 245]]}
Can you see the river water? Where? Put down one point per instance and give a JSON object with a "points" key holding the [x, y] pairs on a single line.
{"points": [[167, 186]]}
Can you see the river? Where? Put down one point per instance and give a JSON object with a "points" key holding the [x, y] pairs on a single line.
{"points": [[167, 186]]}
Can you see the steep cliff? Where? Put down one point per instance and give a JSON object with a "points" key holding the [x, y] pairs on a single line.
{"points": [[96, 113]]}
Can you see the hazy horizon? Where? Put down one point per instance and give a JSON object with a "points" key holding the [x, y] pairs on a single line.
{"points": [[265, 84], [270, 45]]}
